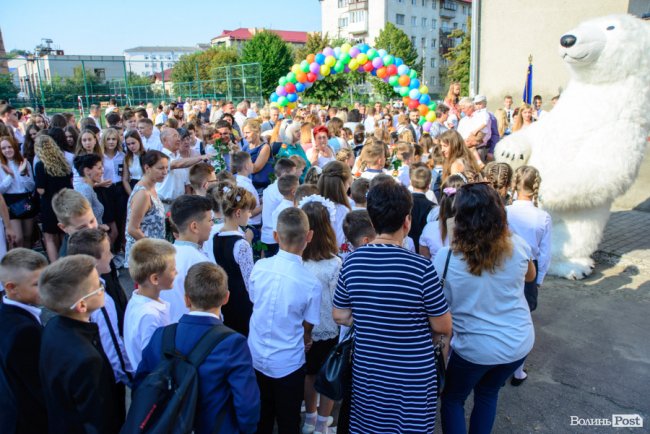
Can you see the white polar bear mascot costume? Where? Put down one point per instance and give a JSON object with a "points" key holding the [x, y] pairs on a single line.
{"points": [[588, 149]]}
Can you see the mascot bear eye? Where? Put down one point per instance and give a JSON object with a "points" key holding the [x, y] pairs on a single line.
{"points": [[611, 28]]}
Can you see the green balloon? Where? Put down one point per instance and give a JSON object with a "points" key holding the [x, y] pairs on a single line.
{"points": [[283, 101], [413, 73], [282, 81], [404, 91], [304, 66], [345, 58], [291, 77], [433, 106], [422, 120], [372, 53], [393, 80], [339, 66], [388, 60]]}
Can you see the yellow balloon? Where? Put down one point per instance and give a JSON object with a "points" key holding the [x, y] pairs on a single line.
{"points": [[353, 65], [431, 116], [295, 69], [424, 89], [324, 70], [362, 58], [345, 48], [330, 61]]}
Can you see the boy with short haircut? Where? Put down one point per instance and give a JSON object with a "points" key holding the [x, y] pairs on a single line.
{"points": [[301, 164], [242, 166], [287, 186], [192, 216], [227, 383], [358, 228], [152, 266], [271, 198], [303, 191], [78, 381], [358, 192], [286, 306], [74, 214], [201, 177], [421, 182], [95, 243], [22, 406]]}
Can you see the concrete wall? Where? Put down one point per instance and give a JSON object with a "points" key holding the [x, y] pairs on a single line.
{"points": [[511, 30]]}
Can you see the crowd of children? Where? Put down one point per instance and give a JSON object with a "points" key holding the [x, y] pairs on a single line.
{"points": [[261, 256]]}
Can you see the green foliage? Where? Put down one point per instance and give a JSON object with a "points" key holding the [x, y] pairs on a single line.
{"points": [[203, 63], [7, 87], [272, 53], [459, 58], [16, 52], [138, 80], [397, 43]]}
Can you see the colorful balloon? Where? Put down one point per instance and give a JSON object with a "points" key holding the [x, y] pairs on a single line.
{"points": [[368, 67], [330, 61], [393, 80], [283, 101], [282, 81], [362, 58], [301, 77], [345, 58], [414, 94], [381, 72], [392, 69], [354, 52], [433, 106], [427, 126], [372, 53], [431, 116], [399, 61], [388, 59], [325, 70], [274, 97], [304, 66], [311, 77], [290, 88], [425, 99], [328, 51], [377, 62], [415, 83], [320, 59], [403, 70], [404, 80], [345, 48], [413, 73], [353, 65], [311, 58], [424, 89], [280, 91], [413, 104], [292, 97], [314, 67], [337, 52], [404, 91], [381, 52], [291, 77], [300, 87], [423, 109]]}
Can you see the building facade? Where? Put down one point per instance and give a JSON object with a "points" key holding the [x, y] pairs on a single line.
{"points": [[427, 23], [237, 38], [510, 32], [146, 61]]}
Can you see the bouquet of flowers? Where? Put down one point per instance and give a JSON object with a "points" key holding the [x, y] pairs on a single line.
{"points": [[221, 149]]}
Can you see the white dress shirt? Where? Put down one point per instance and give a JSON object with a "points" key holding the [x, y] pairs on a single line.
{"points": [[534, 226], [143, 316], [187, 254], [152, 143], [107, 341], [244, 181], [284, 204], [469, 124], [35, 311], [271, 198], [174, 183], [113, 167], [284, 294]]}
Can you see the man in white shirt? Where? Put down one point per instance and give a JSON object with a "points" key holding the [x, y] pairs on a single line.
{"points": [[95, 115], [150, 141], [240, 115], [274, 112], [112, 106], [192, 216], [474, 127], [174, 183], [286, 306], [538, 113]]}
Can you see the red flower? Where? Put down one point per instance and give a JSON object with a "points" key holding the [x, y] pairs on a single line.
{"points": [[344, 248]]}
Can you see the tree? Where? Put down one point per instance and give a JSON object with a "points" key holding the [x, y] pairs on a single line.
{"points": [[185, 70], [7, 87], [138, 80], [397, 43], [272, 53], [459, 58]]}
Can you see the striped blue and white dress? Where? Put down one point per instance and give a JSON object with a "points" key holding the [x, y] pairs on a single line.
{"points": [[392, 292]]}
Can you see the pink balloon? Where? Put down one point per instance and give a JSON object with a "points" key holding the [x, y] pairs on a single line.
{"points": [[281, 91], [354, 52], [377, 62], [314, 68]]}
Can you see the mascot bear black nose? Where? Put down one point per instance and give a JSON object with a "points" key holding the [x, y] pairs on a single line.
{"points": [[568, 41]]}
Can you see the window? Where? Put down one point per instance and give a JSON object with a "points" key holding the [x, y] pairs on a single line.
{"points": [[100, 73], [434, 80], [343, 22], [169, 65], [357, 17], [434, 4], [450, 6], [464, 27], [146, 57], [424, 22], [414, 2], [413, 40], [423, 42], [399, 19], [455, 25], [414, 21], [169, 57], [464, 9], [343, 3], [433, 62], [400, 1], [434, 23], [433, 43], [146, 65], [424, 3]]}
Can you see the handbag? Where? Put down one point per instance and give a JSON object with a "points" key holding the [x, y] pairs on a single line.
{"points": [[22, 207], [437, 349], [334, 377]]}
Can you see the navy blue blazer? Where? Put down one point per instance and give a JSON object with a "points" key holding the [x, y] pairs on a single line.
{"points": [[226, 377], [22, 406]]}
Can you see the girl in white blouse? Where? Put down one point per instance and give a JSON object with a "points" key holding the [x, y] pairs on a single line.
{"points": [[17, 188], [132, 170]]}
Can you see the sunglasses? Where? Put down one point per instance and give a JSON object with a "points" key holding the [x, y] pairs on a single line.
{"points": [[95, 292]]}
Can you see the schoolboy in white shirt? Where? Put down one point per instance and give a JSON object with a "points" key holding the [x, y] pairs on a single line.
{"points": [[286, 306], [270, 200], [242, 165], [192, 216], [287, 186], [152, 265]]}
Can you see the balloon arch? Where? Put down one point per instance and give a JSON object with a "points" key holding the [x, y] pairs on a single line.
{"points": [[360, 58]]}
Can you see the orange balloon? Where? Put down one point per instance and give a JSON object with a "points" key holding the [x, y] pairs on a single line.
{"points": [[404, 80], [406, 100], [301, 77], [381, 72], [423, 109], [311, 58]]}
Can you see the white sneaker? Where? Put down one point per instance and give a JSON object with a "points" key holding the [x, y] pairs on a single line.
{"points": [[308, 429]]}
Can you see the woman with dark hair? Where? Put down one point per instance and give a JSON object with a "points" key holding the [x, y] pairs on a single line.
{"points": [[393, 299], [71, 135], [58, 121], [31, 130], [493, 332], [145, 213]]}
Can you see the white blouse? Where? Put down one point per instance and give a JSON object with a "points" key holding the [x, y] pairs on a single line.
{"points": [[113, 167], [327, 273], [135, 170], [17, 183]]}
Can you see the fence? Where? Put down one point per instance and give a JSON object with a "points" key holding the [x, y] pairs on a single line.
{"points": [[72, 82]]}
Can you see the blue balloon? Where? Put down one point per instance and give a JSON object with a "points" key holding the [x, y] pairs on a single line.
{"points": [[364, 48], [424, 99], [396, 88], [415, 83], [292, 97], [320, 58], [402, 70], [398, 62], [413, 94], [337, 52], [300, 87], [382, 52], [274, 97]]}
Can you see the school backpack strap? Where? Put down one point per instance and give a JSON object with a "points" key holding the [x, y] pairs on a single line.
{"points": [[169, 340], [116, 344]]}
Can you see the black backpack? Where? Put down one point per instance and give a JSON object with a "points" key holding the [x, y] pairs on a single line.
{"points": [[165, 402]]}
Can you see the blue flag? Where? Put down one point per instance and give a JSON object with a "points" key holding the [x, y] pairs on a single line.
{"points": [[527, 96]]}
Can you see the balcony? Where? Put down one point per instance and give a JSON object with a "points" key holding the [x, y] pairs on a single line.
{"points": [[358, 5], [448, 9]]}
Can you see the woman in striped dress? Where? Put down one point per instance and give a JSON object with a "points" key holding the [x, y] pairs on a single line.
{"points": [[395, 301]]}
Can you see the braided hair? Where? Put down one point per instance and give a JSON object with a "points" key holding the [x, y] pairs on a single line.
{"points": [[499, 175], [528, 180]]}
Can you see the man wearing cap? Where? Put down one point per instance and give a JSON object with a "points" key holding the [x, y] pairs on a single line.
{"points": [[474, 127]]}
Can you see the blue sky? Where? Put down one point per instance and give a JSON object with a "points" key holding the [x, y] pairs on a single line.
{"points": [[108, 28]]}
